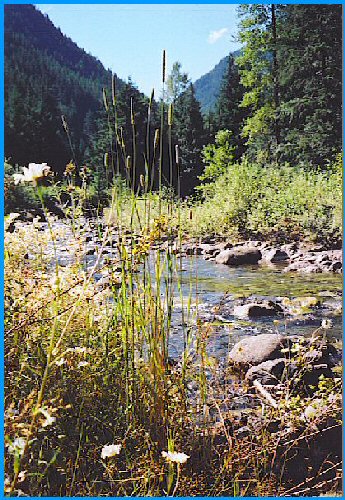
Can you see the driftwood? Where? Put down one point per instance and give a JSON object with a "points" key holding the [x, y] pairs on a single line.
{"points": [[265, 394]]}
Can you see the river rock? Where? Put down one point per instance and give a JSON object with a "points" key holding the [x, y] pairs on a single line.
{"points": [[268, 373], [257, 349], [257, 309], [316, 261], [238, 256], [290, 248], [193, 250], [273, 255]]}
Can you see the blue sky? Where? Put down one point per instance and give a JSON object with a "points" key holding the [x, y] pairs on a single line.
{"points": [[129, 39]]}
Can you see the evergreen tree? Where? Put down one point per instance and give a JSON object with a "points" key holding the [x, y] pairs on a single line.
{"points": [[189, 135], [229, 114], [311, 83], [291, 68], [177, 82], [46, 76], [259, 75]]}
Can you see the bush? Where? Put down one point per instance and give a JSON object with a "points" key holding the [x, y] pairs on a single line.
{"points": [[284, 202]]}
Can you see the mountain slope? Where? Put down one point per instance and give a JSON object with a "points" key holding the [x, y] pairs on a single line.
{"points": [[207, 87], [46, 75]]}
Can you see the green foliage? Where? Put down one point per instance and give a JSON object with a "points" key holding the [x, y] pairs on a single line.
{"points": [[285, 203], [217, 158], [258, 34], [291, 69], [177, 82], [310, 73]]}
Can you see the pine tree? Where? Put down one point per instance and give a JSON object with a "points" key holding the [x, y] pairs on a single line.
{"points": [[229, 115], [190, 136], [259, 75], [177, 82], [311, 83]]}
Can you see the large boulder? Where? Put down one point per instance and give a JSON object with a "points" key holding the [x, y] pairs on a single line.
{"points": [[257, 309], [257, 349], [239, 256]]}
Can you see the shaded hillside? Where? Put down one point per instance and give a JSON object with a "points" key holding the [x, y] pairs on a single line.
{"points": [[207, 87], [46, 75]]}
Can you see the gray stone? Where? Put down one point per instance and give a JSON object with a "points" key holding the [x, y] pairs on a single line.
{"points": [[290, 248], [257, 309], [336, 266], [257, 349], [193, 250], [268, 373], [238, 256], [274, 255]]}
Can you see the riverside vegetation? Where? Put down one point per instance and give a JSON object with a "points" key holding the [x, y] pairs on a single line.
{"points": [[95, 402]]}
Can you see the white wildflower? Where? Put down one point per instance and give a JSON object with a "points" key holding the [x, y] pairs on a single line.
{"points": [[21, 476], [110, 450], [18, 446], [172, 456], [33, 173], [326, 324], [60, 362], [49, 419]]}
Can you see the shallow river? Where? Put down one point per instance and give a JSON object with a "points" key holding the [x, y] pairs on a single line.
{"points": [[213, 281]]}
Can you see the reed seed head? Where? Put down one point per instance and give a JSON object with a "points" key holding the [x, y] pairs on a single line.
{"points": [[152, 97], [163, 68], [170, 115], [132, 112], [113, 89], [64, 123], [105, 99], [128, 162], [106, 159], [176, 154], [156, 139]]}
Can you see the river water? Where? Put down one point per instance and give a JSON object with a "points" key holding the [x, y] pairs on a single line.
{"points": [[209, 286]]}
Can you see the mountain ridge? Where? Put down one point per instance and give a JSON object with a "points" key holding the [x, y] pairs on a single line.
{"points": [[47, 75], [208, 86]]}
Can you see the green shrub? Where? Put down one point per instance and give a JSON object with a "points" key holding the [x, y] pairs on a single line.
{"points": [[284, 202]]}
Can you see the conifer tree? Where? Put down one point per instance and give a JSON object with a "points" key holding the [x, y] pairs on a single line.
{"points": [[311, 83], [229, 114], [190, 136]]}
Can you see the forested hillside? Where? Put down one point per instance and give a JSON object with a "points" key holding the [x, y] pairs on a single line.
{"points": [[47, 75], [279, 97], [207, 87], [173, 288]]}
